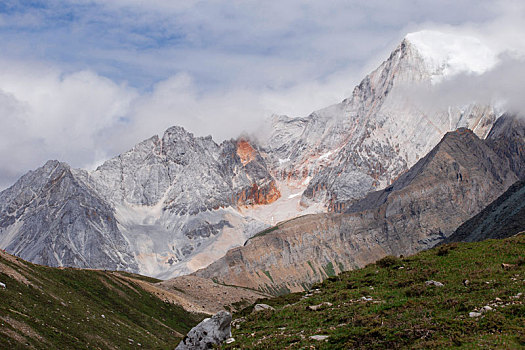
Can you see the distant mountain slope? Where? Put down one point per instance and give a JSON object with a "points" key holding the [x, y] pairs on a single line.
{"points": [[502, 218], [365, 142], [150, 209], [424, 206]]}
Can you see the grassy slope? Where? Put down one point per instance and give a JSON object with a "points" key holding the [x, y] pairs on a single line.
{"points": [[63, 308], [405, 313]]}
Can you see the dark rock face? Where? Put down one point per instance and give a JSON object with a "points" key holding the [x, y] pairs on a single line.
{"points": [[196, 228], [50, 217], [208, 334], [501, 219], [507, 139], [424, 206]]}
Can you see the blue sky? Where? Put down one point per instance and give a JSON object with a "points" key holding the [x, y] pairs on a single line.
{"points": [[217, 42], [82, 80]]}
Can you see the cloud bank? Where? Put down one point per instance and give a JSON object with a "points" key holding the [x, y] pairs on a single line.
{"points": [[81, 81]]}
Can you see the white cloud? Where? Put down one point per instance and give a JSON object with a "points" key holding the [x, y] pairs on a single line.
{"points": [[213, 67], [83, 118], [46, 113], [495, 52], [222, 114], [502, 86]]}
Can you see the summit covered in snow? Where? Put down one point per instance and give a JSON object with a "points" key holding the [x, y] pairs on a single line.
{"points": [[449, 54]]}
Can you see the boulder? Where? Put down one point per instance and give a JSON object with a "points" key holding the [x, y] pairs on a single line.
{"points": [[507, 266], [209, 333], [262, 307], [318, 307], [434, 283]]}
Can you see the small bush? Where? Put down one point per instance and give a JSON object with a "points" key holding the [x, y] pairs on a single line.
{"points": [[351, 285], [388, 261], [462, 307], [443, 250], [333, 279], [404, 283]]}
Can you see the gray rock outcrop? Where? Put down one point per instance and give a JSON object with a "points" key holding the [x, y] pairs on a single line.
{"points": [[262, 307], [502, 218], [507, 139], [209, 333]]}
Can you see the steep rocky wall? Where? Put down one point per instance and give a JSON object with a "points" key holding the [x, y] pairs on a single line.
{"points": [[453, 182]]}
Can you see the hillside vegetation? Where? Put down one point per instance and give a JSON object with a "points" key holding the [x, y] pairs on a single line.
{"points": [[50, 308], [393, 304]]}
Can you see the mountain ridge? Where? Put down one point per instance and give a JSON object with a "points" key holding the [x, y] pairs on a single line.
{"points": [[424, 206], [182, 201]]}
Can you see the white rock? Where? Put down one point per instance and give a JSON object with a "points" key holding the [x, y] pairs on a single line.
{"points": [[2, 285], [486, 308], [474, 314], [262, 307], [318, 307], [434, 283], [319, 337]]}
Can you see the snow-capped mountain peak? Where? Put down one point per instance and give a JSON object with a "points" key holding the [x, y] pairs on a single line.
{"points": [[175, 203], [447, 55]]}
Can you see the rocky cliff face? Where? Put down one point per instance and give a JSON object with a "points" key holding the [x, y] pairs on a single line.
{"points": [[503, 218], [164, 170], [425, 205], [507, 139], [506, 215]]}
